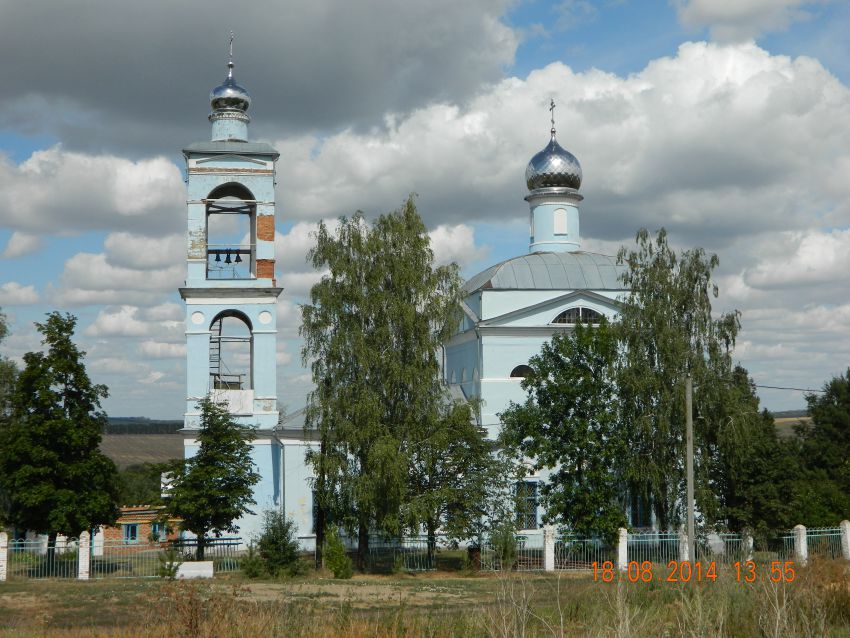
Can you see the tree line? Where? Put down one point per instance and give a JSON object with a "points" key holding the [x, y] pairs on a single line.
{"points": [[397, 453]]}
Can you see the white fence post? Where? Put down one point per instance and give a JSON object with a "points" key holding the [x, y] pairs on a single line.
{"points": [[4, 554], [623, 550], [801, 546], [84, 556], [684, 555], [845, 539], [549, 548], [747, 545]]}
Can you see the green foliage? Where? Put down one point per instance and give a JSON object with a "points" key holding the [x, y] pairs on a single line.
{"points": [[372, 336], [822, 489], [252, 565], [504, 544], [141, 484], [606, 407], [336, 559], [8, 374], [169, 563], [54, 478], [214, 488], [278, 546], [452, 467], [571, 421]]}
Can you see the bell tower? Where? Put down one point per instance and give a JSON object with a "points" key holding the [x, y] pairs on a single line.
{"points": [[230, 290]]}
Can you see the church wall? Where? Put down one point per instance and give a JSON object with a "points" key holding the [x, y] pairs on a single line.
{"points": [[498, 302], [459, 357], [265, 454], [298, 494]]}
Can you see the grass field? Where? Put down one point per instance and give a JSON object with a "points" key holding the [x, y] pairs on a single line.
{"points": [[437, 604]]}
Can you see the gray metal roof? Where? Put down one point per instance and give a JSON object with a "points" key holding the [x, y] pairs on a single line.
{"points": [[551, 271], [223, 147]]}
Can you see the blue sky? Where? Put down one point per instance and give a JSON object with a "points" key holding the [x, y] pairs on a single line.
{"points": [[726, 121]]}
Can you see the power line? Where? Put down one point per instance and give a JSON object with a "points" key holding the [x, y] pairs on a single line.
{"points": [[776, 387]]}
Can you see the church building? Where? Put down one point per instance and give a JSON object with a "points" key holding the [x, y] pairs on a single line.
{"points": [[513, 307], [231, 293]]}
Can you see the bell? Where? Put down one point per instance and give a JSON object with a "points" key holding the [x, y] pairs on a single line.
{"points": [[238, 258], [227, 259], [218, 256]]}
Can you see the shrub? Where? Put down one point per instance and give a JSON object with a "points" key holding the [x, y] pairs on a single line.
{"points": [[251, 564], [278, 546], [335, 557], [169, 563]]}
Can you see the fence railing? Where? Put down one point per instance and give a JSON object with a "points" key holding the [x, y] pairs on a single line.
{"points": [[412, 553], [824, 541], [32, 559], [573, 553], [654, 547]]}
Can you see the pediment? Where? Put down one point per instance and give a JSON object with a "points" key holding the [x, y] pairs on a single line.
{"points": [[542, 313]]}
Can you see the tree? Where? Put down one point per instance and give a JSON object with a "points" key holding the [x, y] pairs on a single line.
{"points": [[451, 468], [571, 423], [141, 483], [278, 544], [823, 485], [8, 374], [214, 488], [667, 332], [372, 335], [54, 476]]}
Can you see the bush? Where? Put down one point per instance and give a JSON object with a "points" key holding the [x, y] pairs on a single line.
{"points": [[169, 563], [335, 557], [278, 546], [251, 564]]}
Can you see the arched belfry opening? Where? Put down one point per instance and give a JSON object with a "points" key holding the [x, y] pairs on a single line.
{"points": [[231, 231], [231, 352]]}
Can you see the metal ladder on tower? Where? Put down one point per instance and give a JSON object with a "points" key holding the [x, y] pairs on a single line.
{"points": [[215, 354]]}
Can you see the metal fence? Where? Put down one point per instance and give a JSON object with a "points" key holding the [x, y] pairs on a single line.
{"points": [[412, 553], [573, 553], [725, 548], [32, 559], [824, 541], [655, 547]]}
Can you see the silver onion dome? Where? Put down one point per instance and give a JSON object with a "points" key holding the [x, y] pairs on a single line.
{"points": [[229, 94], [553, 167]]}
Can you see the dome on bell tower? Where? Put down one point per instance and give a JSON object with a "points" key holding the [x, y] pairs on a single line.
{"points": [[229, 94]]}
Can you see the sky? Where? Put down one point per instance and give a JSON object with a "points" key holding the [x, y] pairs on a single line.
{"points": [[725, 121]]}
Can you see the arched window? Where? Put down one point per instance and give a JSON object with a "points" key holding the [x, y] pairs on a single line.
{"points": [[231, 351], [453, 377], [521, 371], [463, 375], [578, 315], [231, 232]]}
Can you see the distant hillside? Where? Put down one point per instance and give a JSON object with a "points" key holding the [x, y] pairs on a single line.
{"points": [[141, 425], [787, 414]]}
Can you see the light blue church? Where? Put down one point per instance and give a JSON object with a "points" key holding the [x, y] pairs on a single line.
{"points": [[231, 298], [513, 307], [231, 293]]}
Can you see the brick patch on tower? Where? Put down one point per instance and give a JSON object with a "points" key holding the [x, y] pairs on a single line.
{"points": [[265, 269], [265, 227]]}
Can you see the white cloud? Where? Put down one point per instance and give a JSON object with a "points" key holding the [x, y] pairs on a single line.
{"points": [[714, 143], [14, 294], [160, 350], [90, 278], [21, 244], [56, 191], [455, 244], [737, 20], [803, 258], [118, 322], [139, 252]]}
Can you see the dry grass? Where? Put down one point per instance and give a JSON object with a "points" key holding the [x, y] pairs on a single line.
{"points": [[510, 605]]}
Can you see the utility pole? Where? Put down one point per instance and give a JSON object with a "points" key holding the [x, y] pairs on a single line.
{"points": [[689, 464]]}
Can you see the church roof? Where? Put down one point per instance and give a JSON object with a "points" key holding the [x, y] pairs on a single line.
{"points": [[551, 271]]}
